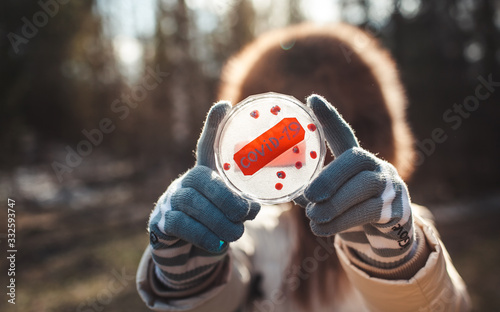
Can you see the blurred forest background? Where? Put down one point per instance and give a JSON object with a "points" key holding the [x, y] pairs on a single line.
{"points": [[68, 67]]}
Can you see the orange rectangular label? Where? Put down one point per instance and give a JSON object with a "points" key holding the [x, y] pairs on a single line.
{"points": [[269, 145]]}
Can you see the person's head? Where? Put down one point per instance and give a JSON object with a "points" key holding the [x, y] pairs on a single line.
{"points": [[342, 63]]}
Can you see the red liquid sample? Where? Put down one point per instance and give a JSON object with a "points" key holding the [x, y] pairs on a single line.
{"points": [[298, 165], [227, 166], [278, 186], [275, 110], [313, 155], [296, 150], [281, 174], [255, 114], [311, 127]]}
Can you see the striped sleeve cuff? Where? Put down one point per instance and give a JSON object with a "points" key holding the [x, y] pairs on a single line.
{"points": [[403, 271], [183, 266], [159, 287], [379, 247]]}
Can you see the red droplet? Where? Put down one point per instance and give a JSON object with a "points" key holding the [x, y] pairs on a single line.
{"points": [[278, 186], [311, 127], [296, 150], [298, 165], [281, 174], [275, 110], [227, 166], [255, 114], [313, 155]]}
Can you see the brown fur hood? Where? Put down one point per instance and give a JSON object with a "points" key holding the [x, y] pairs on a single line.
{"points": [[340, 62]]}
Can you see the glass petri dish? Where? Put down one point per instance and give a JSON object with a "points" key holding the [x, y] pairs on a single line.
{"points": [[269, 147]]}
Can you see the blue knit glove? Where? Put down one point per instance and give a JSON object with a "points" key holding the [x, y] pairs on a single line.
{"points": [[196, 217], [359, 196]]}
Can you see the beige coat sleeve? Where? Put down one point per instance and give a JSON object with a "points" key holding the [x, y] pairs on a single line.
{"points": [[226, 293], [435, 287]]}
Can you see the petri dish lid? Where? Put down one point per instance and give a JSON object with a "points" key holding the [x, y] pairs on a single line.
{"points": [[269, 147]]}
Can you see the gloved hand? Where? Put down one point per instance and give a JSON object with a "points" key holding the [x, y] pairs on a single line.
{"points": [[196, 217], [359, 196]]}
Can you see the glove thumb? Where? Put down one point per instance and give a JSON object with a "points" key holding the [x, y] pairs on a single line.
{"points": [[205, 147], [339, 134]]}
